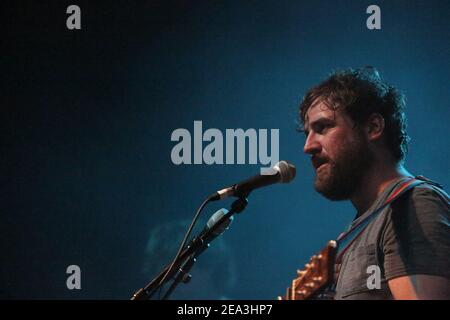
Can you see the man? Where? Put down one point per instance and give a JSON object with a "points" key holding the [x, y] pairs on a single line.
{"points": [[356, 135]]}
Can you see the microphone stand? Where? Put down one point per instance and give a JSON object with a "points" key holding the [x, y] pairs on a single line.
{"points": [[188, 257]]}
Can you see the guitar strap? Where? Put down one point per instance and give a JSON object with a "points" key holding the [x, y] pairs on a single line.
{"points": [[346, 239]]}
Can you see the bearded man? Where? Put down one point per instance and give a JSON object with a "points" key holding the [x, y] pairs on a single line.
{"points": [[355, 129]]}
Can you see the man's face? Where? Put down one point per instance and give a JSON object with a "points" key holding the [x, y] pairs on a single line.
{"points": [[339, 151]]}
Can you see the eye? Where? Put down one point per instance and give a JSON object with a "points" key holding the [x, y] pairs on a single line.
{"points": [[322, 128], [319, 128]]}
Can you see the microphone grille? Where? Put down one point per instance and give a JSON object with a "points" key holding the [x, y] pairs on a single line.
{"points": [[286, 170], [215, 219]]}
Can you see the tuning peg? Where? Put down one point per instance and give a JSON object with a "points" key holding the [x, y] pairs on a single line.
{"points": [[310, 285], [317, 279], [300, 273], [301, 292]]}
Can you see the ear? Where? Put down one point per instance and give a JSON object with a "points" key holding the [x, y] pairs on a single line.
{"points": [[374, 126]]}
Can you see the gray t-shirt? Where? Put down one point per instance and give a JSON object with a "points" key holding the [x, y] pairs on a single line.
{"points": [[411, 236]]}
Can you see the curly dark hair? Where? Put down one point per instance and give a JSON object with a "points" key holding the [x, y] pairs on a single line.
{"points": [[362, 92]]}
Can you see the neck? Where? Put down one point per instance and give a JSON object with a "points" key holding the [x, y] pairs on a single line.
{"points": [[374, 183]]}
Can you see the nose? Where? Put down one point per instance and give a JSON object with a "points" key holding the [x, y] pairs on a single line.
{"points": [[312, 146]]}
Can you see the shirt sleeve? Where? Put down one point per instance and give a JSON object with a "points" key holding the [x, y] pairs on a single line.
{"points": [[416, 239]]}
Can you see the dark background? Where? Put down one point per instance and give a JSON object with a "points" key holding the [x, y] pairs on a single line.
{"points": [[87, 116]]}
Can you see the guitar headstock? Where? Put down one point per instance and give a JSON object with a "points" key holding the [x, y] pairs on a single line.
{"points": [[315, 277]]}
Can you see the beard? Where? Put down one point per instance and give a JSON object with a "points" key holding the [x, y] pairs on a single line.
{"points": [[341, 177]]}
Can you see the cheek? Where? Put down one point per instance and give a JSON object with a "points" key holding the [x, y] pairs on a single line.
{"points": [[338, 145]]}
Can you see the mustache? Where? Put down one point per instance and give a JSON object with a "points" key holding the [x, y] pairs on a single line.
{"points": [[317, 161]]}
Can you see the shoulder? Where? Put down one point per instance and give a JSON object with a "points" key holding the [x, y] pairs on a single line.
{"points": [[423, 200], [429, 193], [417, 232], [425, 208]]}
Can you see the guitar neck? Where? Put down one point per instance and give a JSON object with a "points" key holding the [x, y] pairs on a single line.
{"points": [[316, 277]]}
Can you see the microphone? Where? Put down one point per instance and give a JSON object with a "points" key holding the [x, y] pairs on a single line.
{"points": [[282, 172], [218, 227], [215, 218]]}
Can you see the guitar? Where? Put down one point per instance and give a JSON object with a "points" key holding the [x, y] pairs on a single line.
{"points": [[315, 280]]}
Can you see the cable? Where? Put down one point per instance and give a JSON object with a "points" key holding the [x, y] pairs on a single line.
{"points": [[188, 233]]}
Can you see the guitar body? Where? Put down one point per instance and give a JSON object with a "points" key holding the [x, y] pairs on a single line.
{"points": [[315, 280]]}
